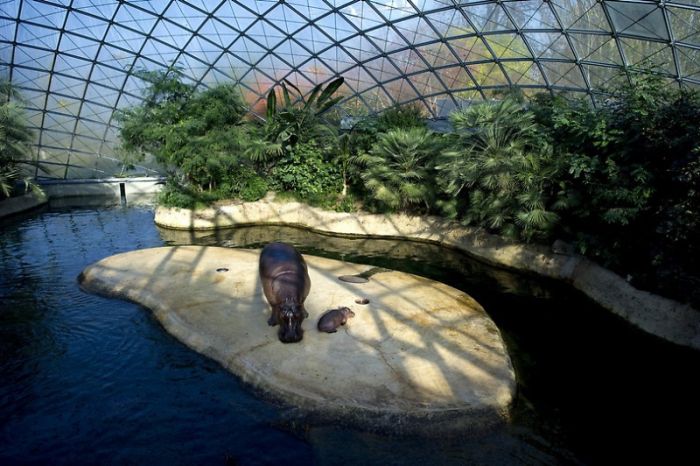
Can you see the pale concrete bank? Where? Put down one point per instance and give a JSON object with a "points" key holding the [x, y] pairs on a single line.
{"points": [[668, 319], [421, 356], [23, 203]]}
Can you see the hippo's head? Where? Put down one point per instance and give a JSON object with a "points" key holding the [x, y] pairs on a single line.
{"points": [[290, 319]]}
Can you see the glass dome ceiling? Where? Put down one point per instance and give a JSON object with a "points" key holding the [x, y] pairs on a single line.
{"points": [[73, 60]]}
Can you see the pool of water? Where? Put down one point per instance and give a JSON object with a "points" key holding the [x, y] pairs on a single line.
{"points": [[90, 380]]}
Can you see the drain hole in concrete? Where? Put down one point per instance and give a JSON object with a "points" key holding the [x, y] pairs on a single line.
{"points": [[362, 301], [222, 269], [353, 279]]}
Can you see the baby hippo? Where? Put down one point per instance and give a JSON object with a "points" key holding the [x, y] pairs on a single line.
{"points": [[331, 320]]}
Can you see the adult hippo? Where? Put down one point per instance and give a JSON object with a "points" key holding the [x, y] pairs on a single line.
{"points": [[286, 284]]}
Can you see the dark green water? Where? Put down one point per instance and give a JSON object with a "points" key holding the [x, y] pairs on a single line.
{"points": [[90, 380]]}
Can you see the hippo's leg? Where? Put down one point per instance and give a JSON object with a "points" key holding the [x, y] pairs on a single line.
{"points": [[272, 321]]}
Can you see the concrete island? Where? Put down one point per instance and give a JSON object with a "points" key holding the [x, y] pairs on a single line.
{"points": [[676, 322], [420, 356]]}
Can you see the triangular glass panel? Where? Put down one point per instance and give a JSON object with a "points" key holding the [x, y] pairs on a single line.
{"points": [[437, 54], [27, 56], [86, 140], [101, 95], [337, 59], [359, 78], [470, 49], [400, 90], [293, 53], [684, 23], [446, 21], [130, 17], [456, 78], [259, 82], [37, 36], [596, 48], [581, 15], [600, 77], [94, 112], [564, 75], [336, 26], [416, 31], [638, 19], [107, 76], [387, 39], [171, 34], [266, 34], [9, 8], [72, 66], [75, 45], [217, 35], [489, 17], [644, 53], [407, 61], [233, 16], [310, 10], [124, 38], [205, 5], [532, 14], [57, 120], [156, 51], [185, 16], [549, 45], [524, 73], [31, 78], [382, 69], [67, 86], [203, 50], [316, 71], [507, 46], [689, 62], [361, 15], [488, 74], [247, 50], [86, 25], [361, 48], [314, 39], [286, 19], [427, 83], [393, 10], [44, 13]]}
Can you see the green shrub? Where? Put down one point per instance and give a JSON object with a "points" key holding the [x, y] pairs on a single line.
{"points": [[304, 171], [243, 183], [399, 169], [193, 133], [503, 176], [15, 139], [401, 117]]}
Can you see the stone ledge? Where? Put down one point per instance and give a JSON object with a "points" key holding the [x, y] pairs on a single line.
{"points": [[420, 357], [665, 318], [23, 203]]}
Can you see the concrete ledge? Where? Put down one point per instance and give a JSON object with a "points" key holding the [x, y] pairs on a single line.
{"points": [[19, 204], [419, 357], [105, 187], [665, 318]]}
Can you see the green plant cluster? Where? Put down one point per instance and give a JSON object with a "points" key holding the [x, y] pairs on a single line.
{"points": [[15, 139], [620, 181]]}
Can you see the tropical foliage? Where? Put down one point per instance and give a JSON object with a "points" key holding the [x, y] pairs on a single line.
{"points": [[15, 139], [399, 171], [621, 180], [501, 173]]}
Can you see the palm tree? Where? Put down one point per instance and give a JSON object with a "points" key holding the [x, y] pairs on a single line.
{"points": [[501, 170], [15, 138], [399, 168]]}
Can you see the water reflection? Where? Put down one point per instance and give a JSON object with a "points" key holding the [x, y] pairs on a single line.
{"points": [[426, 259]]}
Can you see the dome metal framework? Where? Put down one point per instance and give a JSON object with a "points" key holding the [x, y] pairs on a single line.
{"points": [[74, 60]]}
